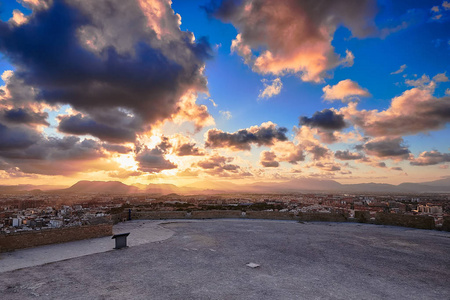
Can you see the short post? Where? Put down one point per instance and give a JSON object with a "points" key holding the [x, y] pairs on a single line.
{"points": [[121, 240]]}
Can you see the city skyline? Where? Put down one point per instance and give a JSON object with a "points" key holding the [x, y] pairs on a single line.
{"points": [[246, 91]]}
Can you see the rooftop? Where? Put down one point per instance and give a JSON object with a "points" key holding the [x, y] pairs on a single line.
{"points": [[207, 259]]}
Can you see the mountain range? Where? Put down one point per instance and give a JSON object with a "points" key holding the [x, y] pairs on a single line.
{"points": [[220, 187]]}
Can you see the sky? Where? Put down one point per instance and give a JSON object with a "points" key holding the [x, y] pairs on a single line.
{"points": [[158, 91]]}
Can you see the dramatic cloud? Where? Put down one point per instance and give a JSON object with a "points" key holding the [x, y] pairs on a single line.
{"points": [[188, 149], [387, 148], [318, 151], [327, 166], [218, 165], [15, 93], [188, 110], [153, 161], [325, 119], [311, 145], [271, 89], [12, 138], [79, 125], [347, 155], [117, 148], [416, 110], [294, 36], [28, 151], [264, 135], [108, 55], [428, 158], [289, 152], [267, 159], [214, 162], [24, 116], [345, 90]]}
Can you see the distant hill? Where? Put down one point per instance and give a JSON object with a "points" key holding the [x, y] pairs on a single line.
{"points": [[221, 187], [109, 187], [27, 187], [167, 189], [321, 185]]}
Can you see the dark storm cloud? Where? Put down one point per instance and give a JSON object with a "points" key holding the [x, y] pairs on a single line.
{"points": [[128, 65], [16, 138], [268, 159], [153, 161], [80, 125], [30, 152], [329, 167], [116, 148], [265, 135], [189, 149], [214, 162], [217, 165], [325, 119], [318, 152], [24, 116], [428, 158], [347, 155], [53, 149], [387, 147]]}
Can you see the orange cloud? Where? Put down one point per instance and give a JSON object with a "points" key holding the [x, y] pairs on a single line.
{"points": [[345, 91], [414, 111], [294, 36]]}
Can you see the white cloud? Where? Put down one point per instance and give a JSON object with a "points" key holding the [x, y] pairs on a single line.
{"points": [[226, 114], [271, 89], [213, 103]]}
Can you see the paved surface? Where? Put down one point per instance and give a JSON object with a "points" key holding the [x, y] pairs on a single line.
{"points": [[207, 260], [142, 232]]}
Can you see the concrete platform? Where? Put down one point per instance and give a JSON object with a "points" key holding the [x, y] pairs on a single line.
{"points": [[208, 260], [142, 232]]}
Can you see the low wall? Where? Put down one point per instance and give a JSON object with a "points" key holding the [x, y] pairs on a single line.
{"points": [[157, 215], [322, 217], [119, 217], [273, 215], [446, 224], [362, 216], [420, 222], [216, 214], [27, 239]]}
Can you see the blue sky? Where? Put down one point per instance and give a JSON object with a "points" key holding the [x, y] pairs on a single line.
{"points": [[365, 54]]}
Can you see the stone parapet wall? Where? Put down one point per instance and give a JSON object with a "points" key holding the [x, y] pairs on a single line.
{"points": [[272, 215], [216, 214], [446, 224], [27, 239], [157, 215], [420, 222], [322, 217]]}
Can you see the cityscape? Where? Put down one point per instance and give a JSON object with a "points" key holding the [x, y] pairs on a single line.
{"points": [[40, 210]]}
